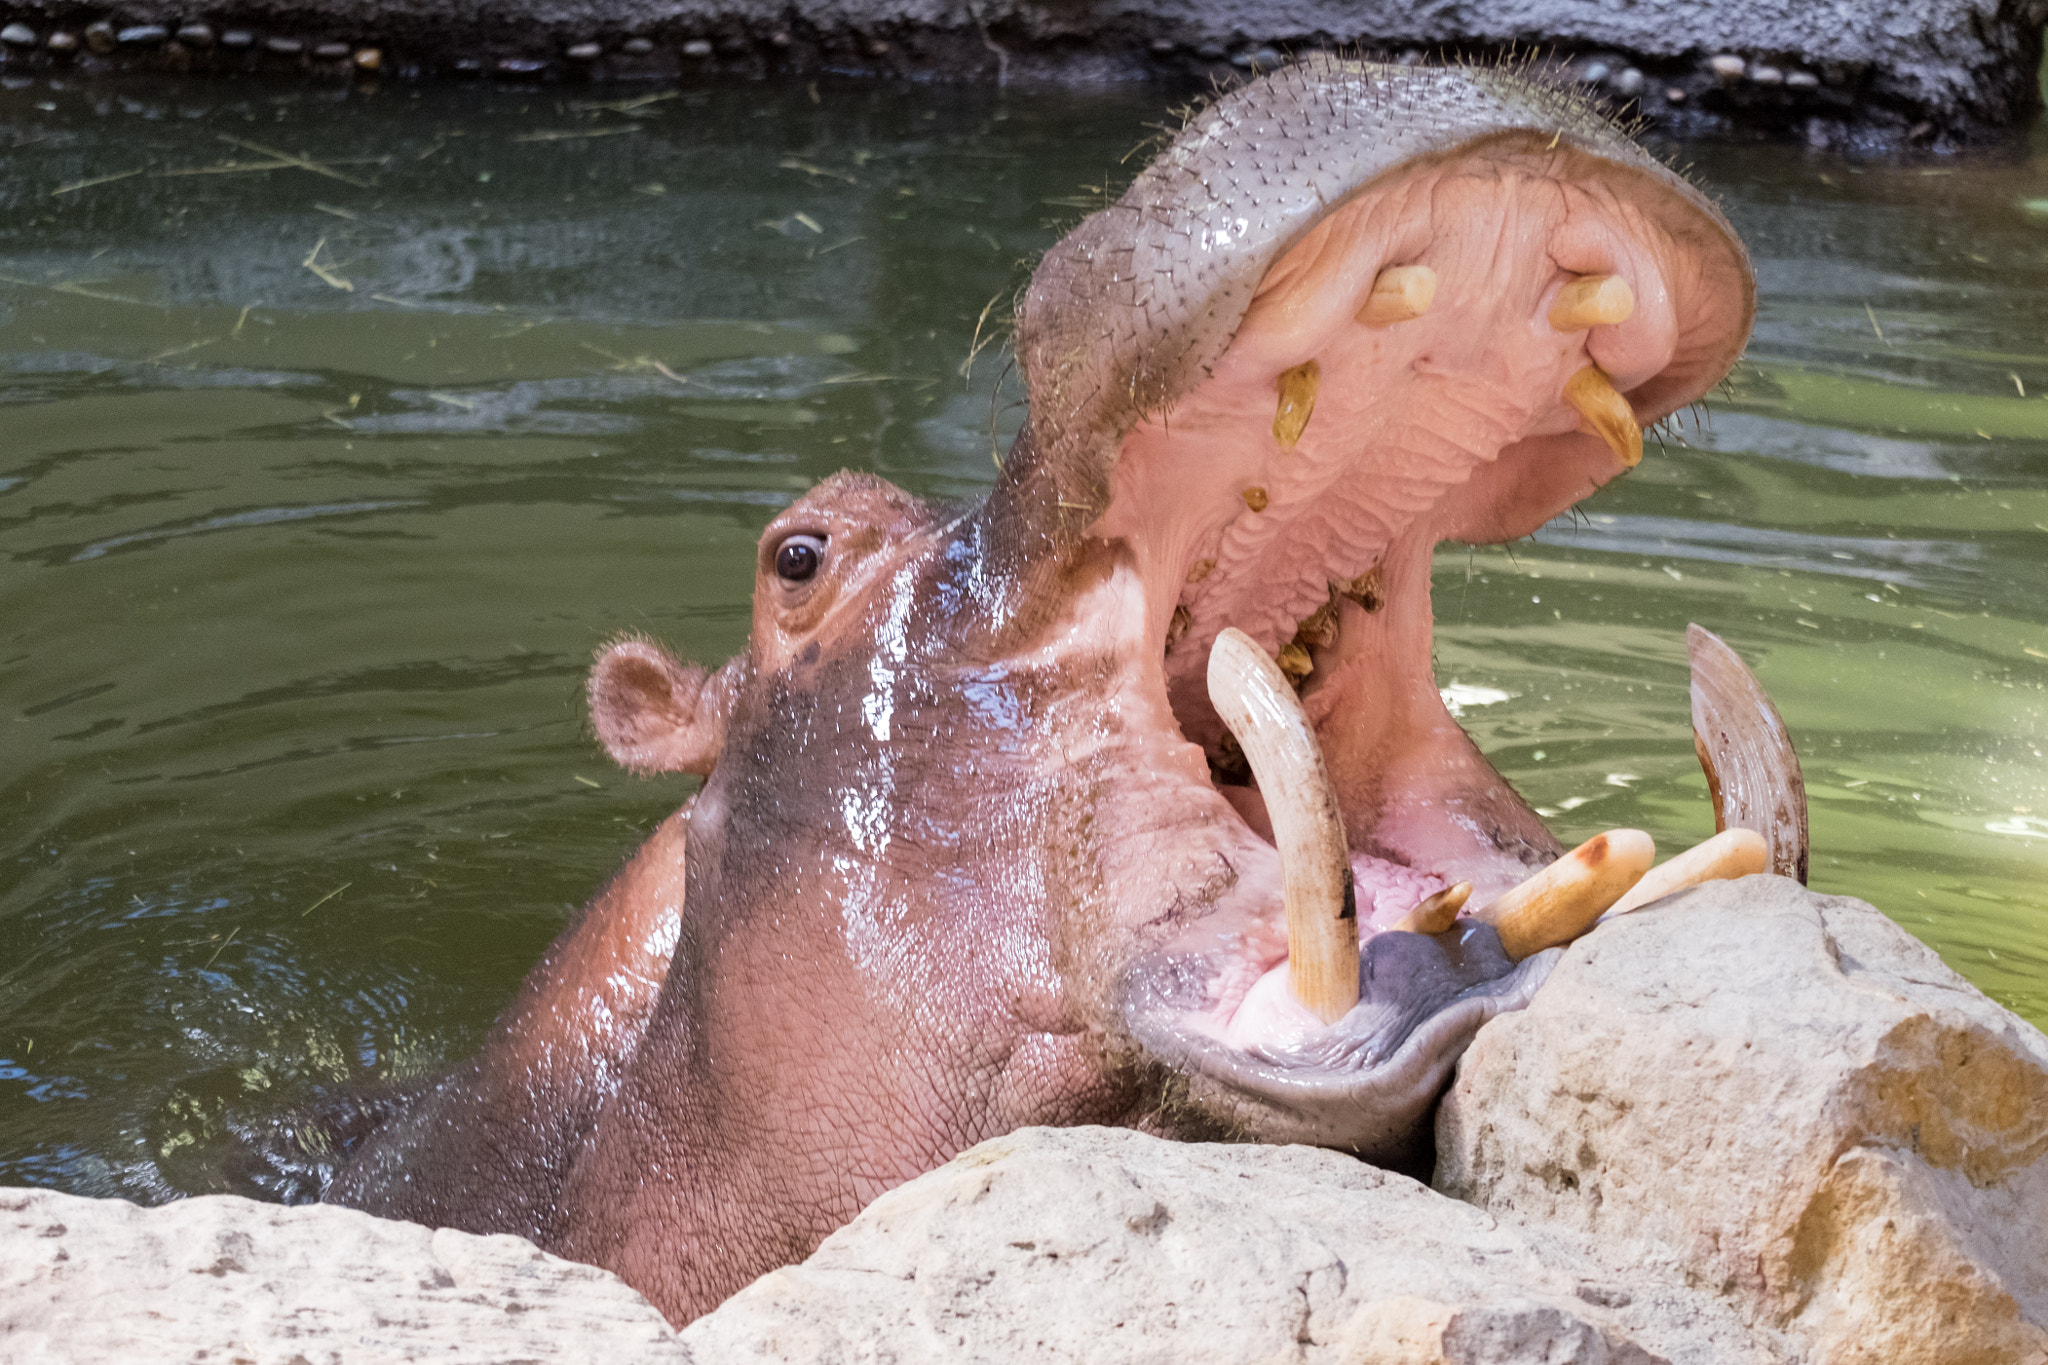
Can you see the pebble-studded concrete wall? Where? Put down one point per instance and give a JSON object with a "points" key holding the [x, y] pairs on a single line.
{"points": [[1882, 72]]}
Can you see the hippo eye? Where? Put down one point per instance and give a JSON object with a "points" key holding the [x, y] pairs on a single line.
{"points": [[798, 558]]}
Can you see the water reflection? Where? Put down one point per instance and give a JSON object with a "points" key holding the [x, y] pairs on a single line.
{"points": [[341, 426]]}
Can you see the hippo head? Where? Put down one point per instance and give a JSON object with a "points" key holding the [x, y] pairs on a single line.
{"points": [[971, 767], [1112, 797]]}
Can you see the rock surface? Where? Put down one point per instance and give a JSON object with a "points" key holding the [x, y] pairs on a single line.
{"points": [[227, 1279], [1796, 1098], [1747, 1125], [1899, 70], [1098, 1244]]}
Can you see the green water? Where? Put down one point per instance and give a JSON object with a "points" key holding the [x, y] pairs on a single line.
{"points": [[320, 483]]}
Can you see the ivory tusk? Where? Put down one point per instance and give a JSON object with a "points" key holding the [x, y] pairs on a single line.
{"points": [[1565, 899], [1434, 914], [1400, 293], [1752, 771], [1606, 413], [1730, 854], [1258, 706], [1592, 301]]}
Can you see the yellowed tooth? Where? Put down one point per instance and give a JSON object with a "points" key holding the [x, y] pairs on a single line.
{"points": [[1294, 662], [1434, 914], [1606, 413], [1297, 402], [1319, 629], [1255, 498], [1592, 301], [1730, 854], [1177, 628], [1565, 899], [1364, 590], [1400, 293]]}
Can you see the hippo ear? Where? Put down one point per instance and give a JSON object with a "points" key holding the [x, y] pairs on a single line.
{"points": [[655, 715]]}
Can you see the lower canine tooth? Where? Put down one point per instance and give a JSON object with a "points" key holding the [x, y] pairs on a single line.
{"points": [[1563, 900], [1253, 699], [1297, 403], [1400, 293], [1606, 413], [1730, 854], [1752, 771], [1435, 913]]}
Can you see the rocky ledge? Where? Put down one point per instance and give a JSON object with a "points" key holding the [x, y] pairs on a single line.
{"points": [[1749, 1124], [1878, 72]]}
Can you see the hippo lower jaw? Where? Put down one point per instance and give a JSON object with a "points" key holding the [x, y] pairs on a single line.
{"points": [[1459, 349]]}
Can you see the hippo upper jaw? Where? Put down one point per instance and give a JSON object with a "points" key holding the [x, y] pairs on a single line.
{"points": [[1301, 352]]}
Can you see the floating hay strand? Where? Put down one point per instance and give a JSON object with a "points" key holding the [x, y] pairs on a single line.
{"points": [[298, 161], [326, 273], [78, 185]]}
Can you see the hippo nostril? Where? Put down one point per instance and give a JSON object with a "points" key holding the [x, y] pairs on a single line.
{"points": [[1401, 292], [1592, 301], [1607, 413]]}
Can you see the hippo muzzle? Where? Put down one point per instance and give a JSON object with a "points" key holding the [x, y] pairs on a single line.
{"points": [[1349, 313]]}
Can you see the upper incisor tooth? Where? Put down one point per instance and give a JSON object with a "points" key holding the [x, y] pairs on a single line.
{"points": [[1592, 301], [1297, 402], [1606, 413], [1399, 293]]}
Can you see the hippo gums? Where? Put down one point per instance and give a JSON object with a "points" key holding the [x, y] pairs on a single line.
{"points": [[1126, 795]]}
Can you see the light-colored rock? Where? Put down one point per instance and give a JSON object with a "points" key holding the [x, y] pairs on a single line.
{"points": [[221, 1279], [1746, 1126], [1100, 1244], [1796, 1098]]}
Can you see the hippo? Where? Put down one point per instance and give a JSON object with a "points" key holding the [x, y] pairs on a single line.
{"points": [[1126, 794]]}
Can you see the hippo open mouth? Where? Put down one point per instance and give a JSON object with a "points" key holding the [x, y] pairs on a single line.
{"points": [[1441, 308]]}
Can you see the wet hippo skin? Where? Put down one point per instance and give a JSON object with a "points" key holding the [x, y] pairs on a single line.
{"points": [[975, 848]]}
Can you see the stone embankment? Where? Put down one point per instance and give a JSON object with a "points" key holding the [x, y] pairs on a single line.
{"points": [[1879, 72], [1750, 1124]]}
